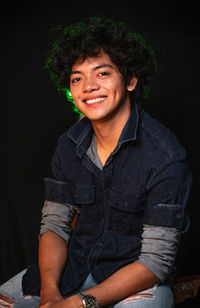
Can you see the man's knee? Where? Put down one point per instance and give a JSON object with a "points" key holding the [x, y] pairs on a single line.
{"points": [[156, 297]]}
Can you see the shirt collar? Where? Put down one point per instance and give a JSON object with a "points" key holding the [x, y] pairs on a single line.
{"points": [[81, 132]]}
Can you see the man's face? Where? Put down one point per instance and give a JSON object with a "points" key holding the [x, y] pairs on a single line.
{"points": [[98, 89]]}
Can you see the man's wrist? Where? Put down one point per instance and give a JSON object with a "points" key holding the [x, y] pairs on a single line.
{"points": [[88, 301], [50, 293], [74, 301], [49, 289]]}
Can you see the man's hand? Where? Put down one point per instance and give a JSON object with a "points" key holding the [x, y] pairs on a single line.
{"points": [[49, 296]]}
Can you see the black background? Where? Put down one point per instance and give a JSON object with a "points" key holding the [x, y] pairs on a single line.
{"points": [[33, 115]]}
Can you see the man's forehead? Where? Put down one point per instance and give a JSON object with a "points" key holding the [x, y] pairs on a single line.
{"points": [[100, 58]]}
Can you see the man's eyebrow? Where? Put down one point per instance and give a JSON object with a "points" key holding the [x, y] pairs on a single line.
{"points": [[102, 66], [94, 68], [75, 72]]}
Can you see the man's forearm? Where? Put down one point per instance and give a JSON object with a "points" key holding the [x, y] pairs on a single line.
{"points": [[126, 281], [52, 259]]}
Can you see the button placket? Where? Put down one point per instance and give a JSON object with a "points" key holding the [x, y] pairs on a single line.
{"points": [[107, 173]]}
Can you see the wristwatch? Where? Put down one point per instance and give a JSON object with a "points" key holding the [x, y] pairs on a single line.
{"points": [[88, 300]]}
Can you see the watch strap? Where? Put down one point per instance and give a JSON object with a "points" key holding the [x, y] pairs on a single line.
{"points": [[88, 300]]}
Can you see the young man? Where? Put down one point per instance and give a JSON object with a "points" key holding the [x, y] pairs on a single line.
{"points": [[122, 173]]}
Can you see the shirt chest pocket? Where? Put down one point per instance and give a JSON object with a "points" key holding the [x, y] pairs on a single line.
{"points": [[126, 212], [84, 194]]}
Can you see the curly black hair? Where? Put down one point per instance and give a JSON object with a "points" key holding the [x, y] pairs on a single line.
{"points": [[126, 49]]}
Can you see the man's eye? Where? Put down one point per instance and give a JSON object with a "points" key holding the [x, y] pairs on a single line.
{"points": [[77, 79], [103, 73]]}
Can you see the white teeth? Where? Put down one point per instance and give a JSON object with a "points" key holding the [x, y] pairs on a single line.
{"points": [[95, 100]]}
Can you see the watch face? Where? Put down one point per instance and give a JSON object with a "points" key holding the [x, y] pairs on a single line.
{"points": [[88, 300]]}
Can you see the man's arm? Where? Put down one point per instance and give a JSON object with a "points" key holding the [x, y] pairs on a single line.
{"points": [[52, 259], [55, 233], [128, 280]]}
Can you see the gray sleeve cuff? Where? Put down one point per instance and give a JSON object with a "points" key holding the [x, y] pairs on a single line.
{"points": [[57, 217], [159, 249]]}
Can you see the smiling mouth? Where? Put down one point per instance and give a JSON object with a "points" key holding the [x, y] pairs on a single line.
{"points": [[94, 100]]}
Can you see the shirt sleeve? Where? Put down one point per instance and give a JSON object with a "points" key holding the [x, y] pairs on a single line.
{"points": [[159, 249], [59, 207], [168, 191], [165, 218], [57, 217]]}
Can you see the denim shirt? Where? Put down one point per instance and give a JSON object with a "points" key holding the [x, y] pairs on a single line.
{"points": [[144, 182]]}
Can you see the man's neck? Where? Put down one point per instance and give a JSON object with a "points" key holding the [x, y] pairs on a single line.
{"points": [[108, 134]]}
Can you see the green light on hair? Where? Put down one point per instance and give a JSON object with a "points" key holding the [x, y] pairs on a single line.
{"points": [[69, 95]]}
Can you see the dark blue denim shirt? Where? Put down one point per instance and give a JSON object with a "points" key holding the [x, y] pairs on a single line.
{"points": [[145, 181]]}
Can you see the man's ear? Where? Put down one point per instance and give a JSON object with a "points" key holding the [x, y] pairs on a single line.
{"points": [[131, 84]]}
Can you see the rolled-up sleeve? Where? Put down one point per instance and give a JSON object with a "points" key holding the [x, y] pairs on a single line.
{"points": [[57, 217], [159, 249], [168, 191], [59, 209], [165, 218]]}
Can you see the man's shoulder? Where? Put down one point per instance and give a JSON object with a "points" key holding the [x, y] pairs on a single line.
{"points": [[159, 137], [74, 133]]}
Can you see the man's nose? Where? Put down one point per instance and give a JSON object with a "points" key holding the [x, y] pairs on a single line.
{"points": [[90, 84]]}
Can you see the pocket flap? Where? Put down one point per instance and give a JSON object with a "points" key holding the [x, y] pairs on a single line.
{"points": [[129, 202]]}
